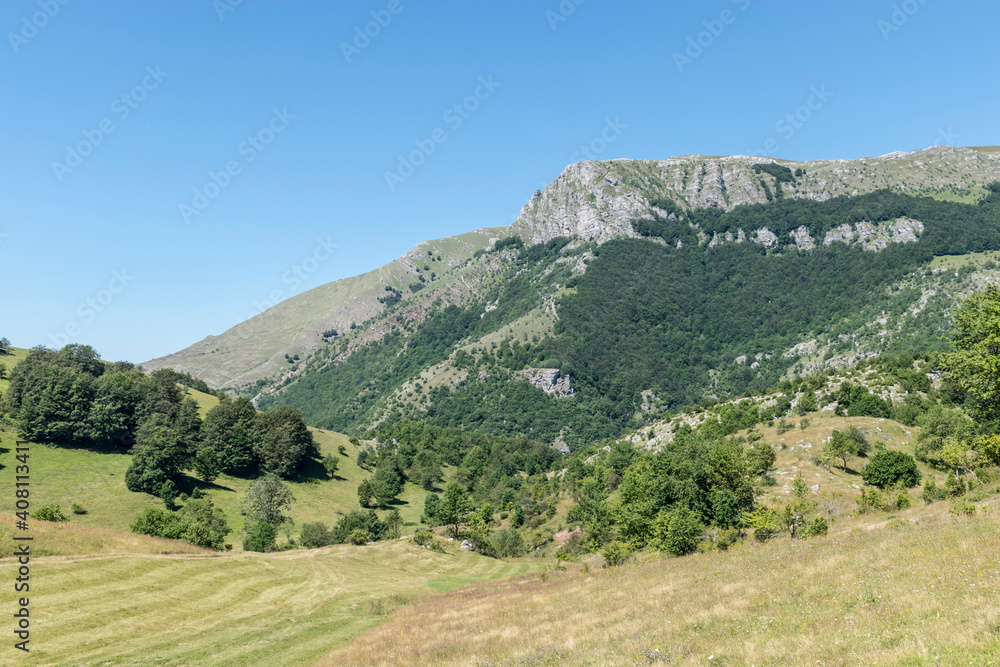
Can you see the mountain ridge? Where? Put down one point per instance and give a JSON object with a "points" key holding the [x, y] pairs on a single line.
{"points": [[589, 201]]}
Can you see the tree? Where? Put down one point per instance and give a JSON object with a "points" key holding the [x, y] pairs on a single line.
{"points": [[206, 464], [957, 456], [205, 525], [937, 426], [431, 502], [840, 446], [974, 366], [157, 457], [330, 464], [863, 446], [366, 521], [315, 535], [454, 507], [889, 467], [229, 429], [393, 524], [114, 413], [366, 493], [678, 531], [267, 500], [386, 485], [283, 442], [761, 457], [4, 346], [167, 493]]}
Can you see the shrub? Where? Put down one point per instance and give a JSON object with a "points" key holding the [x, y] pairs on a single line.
{"points": [[817, 526], [889, 467], [870, 499], [930, 492], [366, 521], [198, 522], [616, 553], [962, 507], [424, 537], [49, 513], [259, 537], [902, 500], [359, 537], [507, 543], [315, 535], [78, 508]]}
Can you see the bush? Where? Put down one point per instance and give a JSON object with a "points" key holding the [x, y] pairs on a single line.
{"points": [[260, 537], [888, 467], [507, 543], [315, 535], [962, 507], [616, 553], [870, 499], [424, 537], [902, 500], [366, 521], [198, 522], [49, 513], [930, 492], [359, 537], [817, 526], [78, 508]]}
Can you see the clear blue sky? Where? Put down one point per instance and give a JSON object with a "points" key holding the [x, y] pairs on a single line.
{"points": [[197, 86]]}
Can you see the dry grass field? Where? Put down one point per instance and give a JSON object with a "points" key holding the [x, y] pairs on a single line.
{"points": [[922, 589]]}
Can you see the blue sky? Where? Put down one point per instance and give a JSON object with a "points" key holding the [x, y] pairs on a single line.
{"points": [[169, 165]]}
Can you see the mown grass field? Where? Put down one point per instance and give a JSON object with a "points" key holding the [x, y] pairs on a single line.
{"points": [[923, 589], [286, 608]]}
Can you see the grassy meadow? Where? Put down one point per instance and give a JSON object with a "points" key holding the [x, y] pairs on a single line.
{"points": [[920, 589]]}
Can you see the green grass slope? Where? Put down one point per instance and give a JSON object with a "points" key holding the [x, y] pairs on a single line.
{"points": [[96, 481]]}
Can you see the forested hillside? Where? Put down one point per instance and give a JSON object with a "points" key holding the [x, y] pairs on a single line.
{"points": [[654, 323]]}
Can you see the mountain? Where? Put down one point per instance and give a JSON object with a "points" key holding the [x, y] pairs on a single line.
{"points": [[628, 288]]}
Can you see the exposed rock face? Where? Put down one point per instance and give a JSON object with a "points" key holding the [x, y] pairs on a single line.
{"points": [[549, 380], [766, 237], [843, 234], [876, 237], [598, 200], [803, 241], [802, 349]]}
